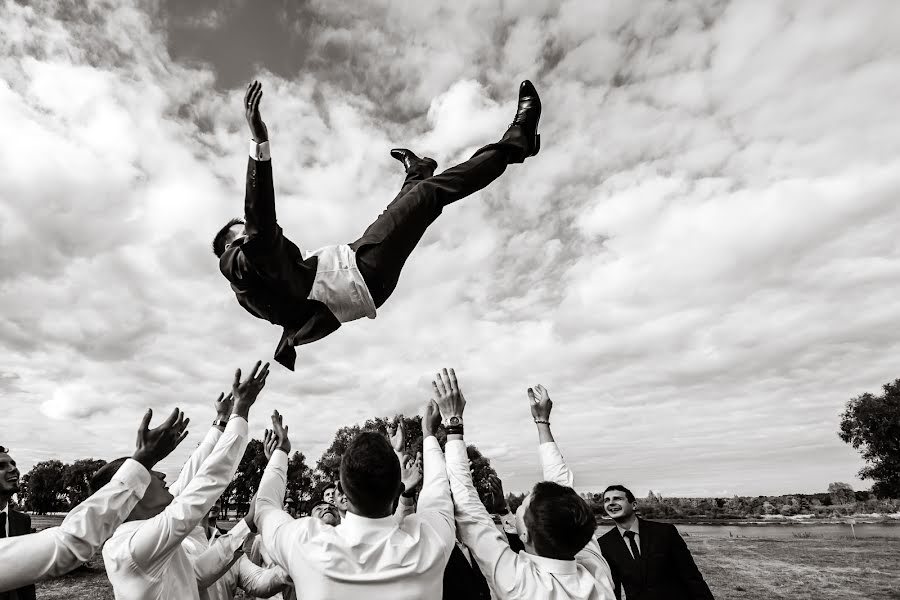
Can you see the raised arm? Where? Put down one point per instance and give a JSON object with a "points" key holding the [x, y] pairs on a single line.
{"points": [[277, 528], [259, 199], [556, 470], [476, 528], [435, 503], [57, 550], [223, 405], [411, 475], [166, 531], [215, 560]]}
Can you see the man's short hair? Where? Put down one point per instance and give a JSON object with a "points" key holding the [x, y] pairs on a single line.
{"points": [[619, 488], [4, 449], [559, 521], [218, 245], [370, 473], [105, 474]]}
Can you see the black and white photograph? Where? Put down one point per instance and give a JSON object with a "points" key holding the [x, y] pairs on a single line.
{"points": [[484, 299]]}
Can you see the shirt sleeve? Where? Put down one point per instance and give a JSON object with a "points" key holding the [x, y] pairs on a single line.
{"points": [[554, 465], [192, 465], [219, 556], [159, 536], [259, 582], [57, 550], [435, 506], [405, 507], [489, 548], [279, 531]]}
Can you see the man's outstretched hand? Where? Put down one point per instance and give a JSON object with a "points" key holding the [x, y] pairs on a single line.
{"points": [[251, 112], [245, 392], [447, 395], [153, 445], [280, 431], [541, 404], [398, 436]]}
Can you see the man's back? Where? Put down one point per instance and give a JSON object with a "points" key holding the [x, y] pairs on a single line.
{"points": [[366, 558], [170, 576]]}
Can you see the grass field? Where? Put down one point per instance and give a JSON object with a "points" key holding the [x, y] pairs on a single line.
{"points": [[802, 568]]}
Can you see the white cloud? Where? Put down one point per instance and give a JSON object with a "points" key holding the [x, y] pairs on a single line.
{"points": [[700, 264]]}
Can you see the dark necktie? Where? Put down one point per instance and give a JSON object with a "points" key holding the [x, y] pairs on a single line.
{"points": [[2, 524], [631, 542]]}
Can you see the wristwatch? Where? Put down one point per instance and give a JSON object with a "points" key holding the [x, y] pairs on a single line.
{"points": [[220, 422], [454, 421]]}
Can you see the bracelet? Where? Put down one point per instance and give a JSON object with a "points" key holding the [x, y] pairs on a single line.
{"points": [[542, 421], [408, 493], [220, 422], [454, 429]]}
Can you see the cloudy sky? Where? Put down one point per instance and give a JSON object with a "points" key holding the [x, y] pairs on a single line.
{"points": [[702, 264]]}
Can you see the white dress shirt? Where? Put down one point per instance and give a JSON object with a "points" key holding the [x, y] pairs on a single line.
{"points": [[57, 550], [508, 574], [145, 559], [211, 558], [362, 558], [556, 470], [242, 573], [338, 284]]}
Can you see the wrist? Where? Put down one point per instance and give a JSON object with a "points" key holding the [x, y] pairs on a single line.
{"points": [[454, 436], [242, 409], [542, 421], [144, 459]]}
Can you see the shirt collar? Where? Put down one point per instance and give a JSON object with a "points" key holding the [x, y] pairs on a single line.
{"points": [[358, 525], [636, 528], [553, 565]]}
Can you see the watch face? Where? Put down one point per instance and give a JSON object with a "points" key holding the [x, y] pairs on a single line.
{"points": [[455, 421]]}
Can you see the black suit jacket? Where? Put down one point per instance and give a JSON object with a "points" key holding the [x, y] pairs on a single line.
{"points": [[268, 274], [19, 524], [665, 571]]}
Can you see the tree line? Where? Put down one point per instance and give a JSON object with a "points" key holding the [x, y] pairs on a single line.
{"points": [[870, 423]]}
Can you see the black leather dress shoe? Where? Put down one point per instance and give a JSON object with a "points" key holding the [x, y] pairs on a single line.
{"points": [[409, 158], [528, 115]]}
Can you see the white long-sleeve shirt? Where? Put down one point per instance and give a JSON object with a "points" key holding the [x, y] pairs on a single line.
{"points": [[57, 550], [211, 560], [508, 574], [145, 559], [362, 558], [556, 470]]}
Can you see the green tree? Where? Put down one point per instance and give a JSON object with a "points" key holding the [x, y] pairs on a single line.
{"points": [[841, 493], [77, 476], [43, 488], [871, 424]]}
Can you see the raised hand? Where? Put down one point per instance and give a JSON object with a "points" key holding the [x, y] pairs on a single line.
{"points": [[541, 404], [411, 471], [280, 431], [398, 436], [449, 399], [245, 392], [270, 442], [251, 112], [153, 445], [431, 419], [224, 404]]}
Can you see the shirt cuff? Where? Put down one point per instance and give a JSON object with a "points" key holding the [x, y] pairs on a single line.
{"points": [[240, 531], [454, 449], [430, 442], [133, 475], [260, 152], [238, 424], [279, 459]]}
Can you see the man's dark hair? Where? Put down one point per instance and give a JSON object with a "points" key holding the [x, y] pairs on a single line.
{"points": [[105, 474], [4, 449], [370, 473], [559, 521], [218, 244], [619, 488]]}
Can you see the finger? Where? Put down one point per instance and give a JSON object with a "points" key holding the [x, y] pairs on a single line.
{"points": [[255, 369], [183, 435], [454, 384], [145, 420], [237, 380], [221, 396], [186, 421], [531, 396], [265, 370], [286, 430], [254, 99], [445, 379], [248, 92]]}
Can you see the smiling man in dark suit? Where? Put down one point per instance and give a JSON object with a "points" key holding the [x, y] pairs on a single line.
{"points": [[648, 558], [12, 522]]}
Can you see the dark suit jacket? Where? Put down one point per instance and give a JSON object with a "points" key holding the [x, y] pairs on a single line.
{"points": [[268, 274], [665, 571], [19, 524]]}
